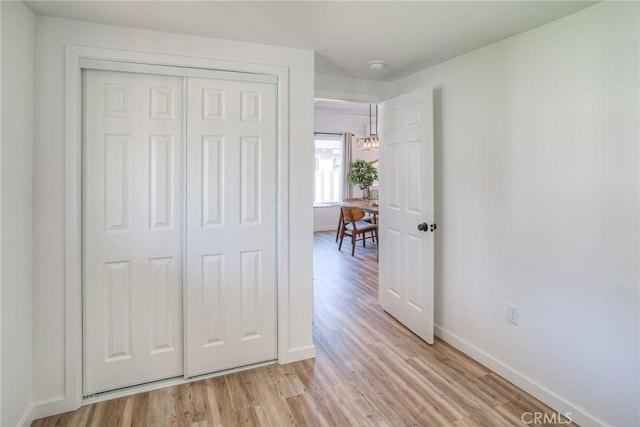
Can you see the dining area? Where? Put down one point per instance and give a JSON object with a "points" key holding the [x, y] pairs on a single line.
{"points": [[346, 181]]}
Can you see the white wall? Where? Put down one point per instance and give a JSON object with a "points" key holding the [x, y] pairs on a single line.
{"points": [[49, 280], [326, 122], [325, 218], [537, 205], [18, 47], [350, 89]]}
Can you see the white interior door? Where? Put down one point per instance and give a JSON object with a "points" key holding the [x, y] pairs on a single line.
{"points": [[132, 229], [230, 306], [407, 211]]}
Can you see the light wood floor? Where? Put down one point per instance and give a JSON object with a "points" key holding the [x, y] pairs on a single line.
{"points": [[369, 370]]}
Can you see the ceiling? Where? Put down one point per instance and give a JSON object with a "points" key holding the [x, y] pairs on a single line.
{"points": [[345, 35]]}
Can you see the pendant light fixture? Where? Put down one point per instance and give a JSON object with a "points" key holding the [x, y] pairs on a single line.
{"points": [[371, 141]]}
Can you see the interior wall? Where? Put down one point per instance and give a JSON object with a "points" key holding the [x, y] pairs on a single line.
{"points": [[350, 88], [537, 205], [326, 217], [49, 278], [18, 49]]}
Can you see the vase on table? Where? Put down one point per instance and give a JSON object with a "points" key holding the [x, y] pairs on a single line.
{"points": [[366, 193]]}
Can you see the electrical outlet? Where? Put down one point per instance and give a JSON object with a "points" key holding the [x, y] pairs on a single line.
{"points": [[513, 314]]}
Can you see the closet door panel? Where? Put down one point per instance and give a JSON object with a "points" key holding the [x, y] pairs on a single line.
{"points": [[231, 224], [132, 229]]}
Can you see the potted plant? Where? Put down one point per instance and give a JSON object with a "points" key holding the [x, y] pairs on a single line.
{"points": [[362, 174]]}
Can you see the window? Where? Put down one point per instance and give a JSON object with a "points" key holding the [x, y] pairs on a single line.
{"points": [[328, 168]]}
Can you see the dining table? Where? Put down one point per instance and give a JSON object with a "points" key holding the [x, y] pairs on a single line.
{"points": [[365, 205]]}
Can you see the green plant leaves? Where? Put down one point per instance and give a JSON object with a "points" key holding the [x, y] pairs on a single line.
{"points": [[362, 174]]}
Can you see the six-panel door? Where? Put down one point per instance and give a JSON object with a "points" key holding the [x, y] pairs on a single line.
{"points": [[132, 200], [231, 224], [405, 288]]}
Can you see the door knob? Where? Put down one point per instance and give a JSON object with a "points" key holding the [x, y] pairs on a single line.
{"points": [[426, 227]]}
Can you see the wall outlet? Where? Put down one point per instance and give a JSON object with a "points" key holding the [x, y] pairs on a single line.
{"points": [[513, 314]]}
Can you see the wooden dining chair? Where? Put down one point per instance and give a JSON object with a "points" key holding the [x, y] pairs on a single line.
{"points": [[368, 217], [354, 226]]}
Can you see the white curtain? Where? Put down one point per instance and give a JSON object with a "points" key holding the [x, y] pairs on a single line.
{"points": [[347, 143]]}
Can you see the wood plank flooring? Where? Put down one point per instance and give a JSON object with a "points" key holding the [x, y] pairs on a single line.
{"points": [[369, 370]]}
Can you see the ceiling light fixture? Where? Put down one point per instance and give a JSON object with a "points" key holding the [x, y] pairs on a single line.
{"points": [[370, 142], [377, 64]]}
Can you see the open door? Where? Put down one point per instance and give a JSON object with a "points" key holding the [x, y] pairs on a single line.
{"points": [[406, 224]]}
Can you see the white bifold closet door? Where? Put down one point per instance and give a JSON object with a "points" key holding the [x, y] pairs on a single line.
{"points": [[169, 222], [132, 231]]}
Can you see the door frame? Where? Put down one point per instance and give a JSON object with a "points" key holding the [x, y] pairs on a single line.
{"points": [[74, 55]]}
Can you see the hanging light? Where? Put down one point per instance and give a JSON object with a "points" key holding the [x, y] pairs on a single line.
{"points": [[369, 142]]}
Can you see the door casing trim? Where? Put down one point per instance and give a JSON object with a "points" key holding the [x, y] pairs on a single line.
{"points": [[74, 54]]}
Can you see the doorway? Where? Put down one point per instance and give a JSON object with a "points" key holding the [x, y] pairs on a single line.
{"points": [[332, 119], [406, 224]]}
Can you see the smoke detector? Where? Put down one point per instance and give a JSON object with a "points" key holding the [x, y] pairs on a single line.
{"points": [[377, 64]]}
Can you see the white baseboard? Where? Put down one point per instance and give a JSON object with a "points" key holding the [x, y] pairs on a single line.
{"points": [[324, 228], [578, 415], [27, 418], [49, 407], [299, 353]]}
